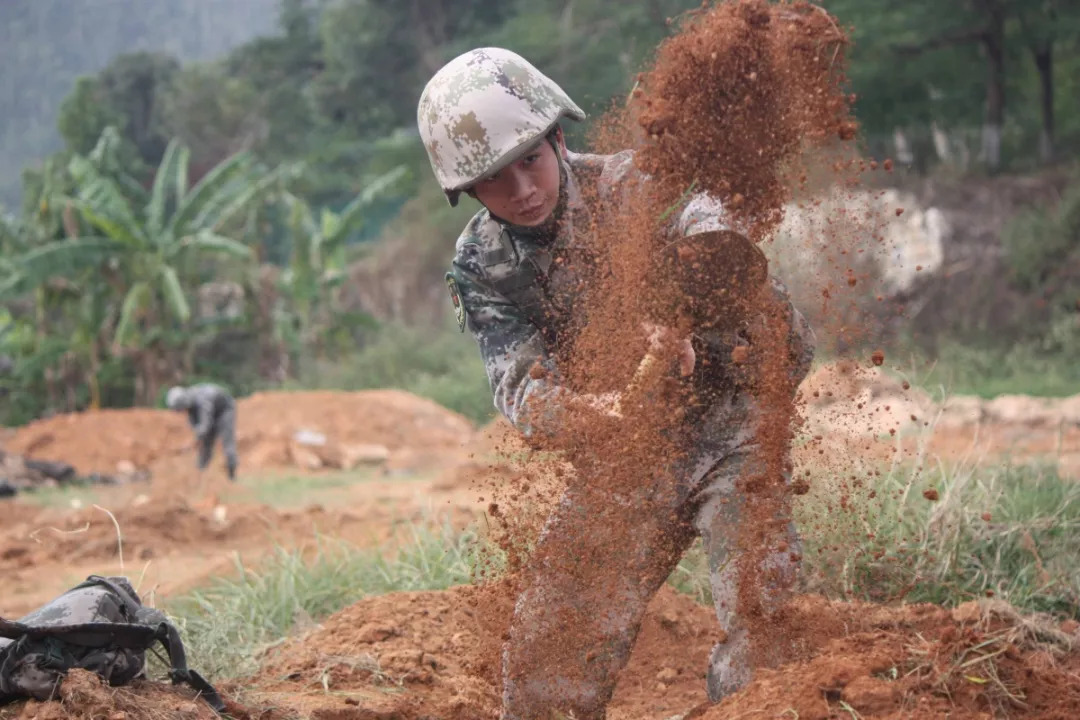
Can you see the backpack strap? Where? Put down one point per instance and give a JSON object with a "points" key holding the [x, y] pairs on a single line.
{"points": [[179, 672]]}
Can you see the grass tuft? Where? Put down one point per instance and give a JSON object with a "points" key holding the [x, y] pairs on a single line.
{"points": [[230, 624]]}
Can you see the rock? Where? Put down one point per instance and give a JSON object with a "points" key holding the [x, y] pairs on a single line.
{"points": [[667, 675], [309, 438], [315, 449], [365, 454], [376, 632], [912, 243], [304, 456]]}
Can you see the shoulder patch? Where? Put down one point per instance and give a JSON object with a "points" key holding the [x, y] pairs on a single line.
{"points": [[455, 297]]}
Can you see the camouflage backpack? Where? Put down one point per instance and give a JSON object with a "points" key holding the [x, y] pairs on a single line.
{"points": [[99, 625]]}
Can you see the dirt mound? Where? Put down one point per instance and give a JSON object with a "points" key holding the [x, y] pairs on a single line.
{"points": [[349, 423], [98, 440], [857, 410], [919, 662], [436, 654], [392, 418]]}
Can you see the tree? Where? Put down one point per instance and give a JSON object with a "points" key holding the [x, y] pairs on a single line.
{"points": [[129, 93], [214, 114], [1044, 26], [317, 263], [144, 245]]}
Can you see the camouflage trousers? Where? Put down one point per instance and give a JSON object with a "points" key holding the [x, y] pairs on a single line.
{"points": [[601, 557], [224, 427]]}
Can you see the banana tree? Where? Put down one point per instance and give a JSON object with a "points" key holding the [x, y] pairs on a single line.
{"points": [[318, 264], [141, 243]]}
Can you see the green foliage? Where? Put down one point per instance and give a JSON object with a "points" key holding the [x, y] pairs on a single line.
{"points": [[888, 542], [311, 322], [1045, 366], [142, 245], [1039, 241], [443, 366], [119, 228]]}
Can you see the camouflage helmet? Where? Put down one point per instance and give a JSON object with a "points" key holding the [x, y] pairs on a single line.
{"points": [[482, 110], [176, 398]]}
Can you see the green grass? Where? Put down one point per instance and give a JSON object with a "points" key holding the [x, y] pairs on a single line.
{"points": [[286, 490], [227, 625], [892, 543], [1024, 369], [442, 365], [900, 546], [62, 496], [691, 576]]}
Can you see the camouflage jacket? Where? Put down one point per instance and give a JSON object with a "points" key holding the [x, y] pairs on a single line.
{"points": [[508, 290], [206, 405]]}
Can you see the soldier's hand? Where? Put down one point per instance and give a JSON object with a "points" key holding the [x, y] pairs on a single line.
{"points": [[606, 404], [662, 344]]}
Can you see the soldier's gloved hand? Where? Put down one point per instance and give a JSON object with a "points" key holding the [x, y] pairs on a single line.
{"points": [[605, 404], [662, 343]]}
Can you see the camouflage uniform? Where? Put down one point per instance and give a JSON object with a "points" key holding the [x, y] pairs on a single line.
{"points": [[575, 623], [212, 415]]}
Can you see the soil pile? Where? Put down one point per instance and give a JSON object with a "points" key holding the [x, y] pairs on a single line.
{"points": [[97, 441], [920, 662], [268, 423], [435, 654]]}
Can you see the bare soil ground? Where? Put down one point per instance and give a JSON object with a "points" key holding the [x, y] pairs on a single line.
{"points": [[436, 654]]}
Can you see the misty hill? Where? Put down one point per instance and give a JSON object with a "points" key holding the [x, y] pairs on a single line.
{"points": [[46, 44]]}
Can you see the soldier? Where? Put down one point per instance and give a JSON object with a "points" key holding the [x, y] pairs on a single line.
{"points": [[490, 123], [212, 414]]}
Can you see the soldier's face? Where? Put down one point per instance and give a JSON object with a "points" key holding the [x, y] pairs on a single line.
{"points": [[526, 192]]}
